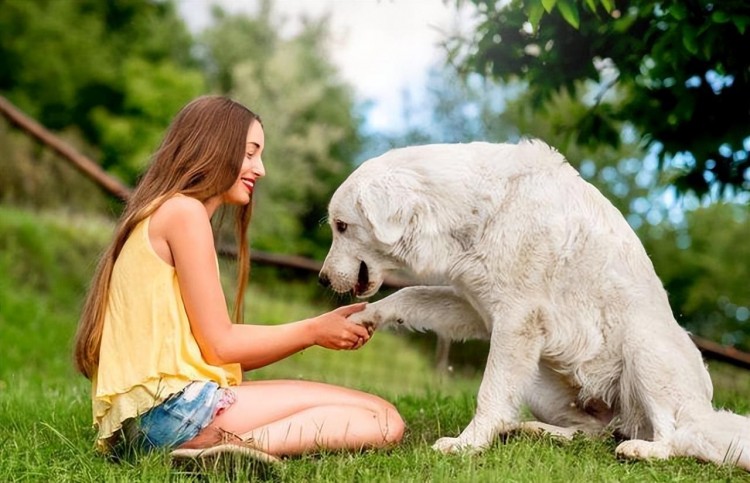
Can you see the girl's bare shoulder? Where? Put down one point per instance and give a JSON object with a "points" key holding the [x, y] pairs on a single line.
{"points": [[180, 211]]}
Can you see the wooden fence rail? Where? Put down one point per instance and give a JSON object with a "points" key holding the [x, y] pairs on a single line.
{"points": [[710, 350]]}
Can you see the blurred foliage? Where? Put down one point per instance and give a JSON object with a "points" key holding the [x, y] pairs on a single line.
{"points": [[53, 253], [674, 69], [116, 71], [454, 109], [703, 263]]}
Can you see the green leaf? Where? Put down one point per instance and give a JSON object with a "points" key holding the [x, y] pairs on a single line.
{"points": [[608, 5], [535, 12], [591, 4], [741, 23], [549, 5], [678, 11], [720, 17], [689, 40], [569, 11]]}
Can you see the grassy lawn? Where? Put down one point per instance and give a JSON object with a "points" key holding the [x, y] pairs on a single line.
{"points": [[45, 421]]}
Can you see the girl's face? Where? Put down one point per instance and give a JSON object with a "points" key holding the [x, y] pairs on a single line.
{"points": [[252, 168]]}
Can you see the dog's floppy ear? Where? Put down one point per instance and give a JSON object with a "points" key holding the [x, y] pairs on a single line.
{"points": [[388, 205]]}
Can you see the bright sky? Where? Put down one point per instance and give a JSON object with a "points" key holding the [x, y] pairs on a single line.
{"points": [[382, 47]]}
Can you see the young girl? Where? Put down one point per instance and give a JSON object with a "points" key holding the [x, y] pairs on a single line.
{"points": [[155, 337]]}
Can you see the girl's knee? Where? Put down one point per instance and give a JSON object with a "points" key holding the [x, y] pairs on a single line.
{"points": [[394, 425], [395, 430]]}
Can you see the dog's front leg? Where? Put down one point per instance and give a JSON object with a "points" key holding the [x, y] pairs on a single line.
{"points": [[439, 309], [512, 365]]}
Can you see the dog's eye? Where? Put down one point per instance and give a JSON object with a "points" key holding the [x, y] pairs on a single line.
{"points": [[341, 226]]}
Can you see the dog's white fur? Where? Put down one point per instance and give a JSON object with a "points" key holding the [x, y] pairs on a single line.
{"points": [[540, 263]]}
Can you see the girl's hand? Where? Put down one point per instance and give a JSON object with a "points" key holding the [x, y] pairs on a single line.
{"points": [[333, 330]]}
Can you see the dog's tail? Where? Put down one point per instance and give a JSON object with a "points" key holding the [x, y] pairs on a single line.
{"points": [[719, 436]]}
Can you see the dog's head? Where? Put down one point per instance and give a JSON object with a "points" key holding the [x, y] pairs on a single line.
{"points": [[370, 214], [410, 208]]}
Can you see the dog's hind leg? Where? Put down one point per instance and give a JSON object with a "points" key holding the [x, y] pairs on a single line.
{"points": [[438, 309], [555, 404], [663, 382]]}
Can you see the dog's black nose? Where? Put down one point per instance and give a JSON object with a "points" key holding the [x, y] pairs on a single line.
{"points": [[323, 280]]}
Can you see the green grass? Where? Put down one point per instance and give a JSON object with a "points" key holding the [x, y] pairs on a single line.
{"points": [[45, 421]]}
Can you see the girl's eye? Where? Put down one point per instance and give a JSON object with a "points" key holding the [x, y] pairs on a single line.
{"points": [[341, 226]]}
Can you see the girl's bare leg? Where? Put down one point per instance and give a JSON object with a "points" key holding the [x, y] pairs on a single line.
{"points": [[294, 417]]}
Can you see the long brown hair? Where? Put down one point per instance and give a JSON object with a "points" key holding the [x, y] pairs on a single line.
{"points": [[201, 156]]}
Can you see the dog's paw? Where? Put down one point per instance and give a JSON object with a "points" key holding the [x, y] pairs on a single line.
{"points": [[368, 318], [447, 445], [376, 316], [638, 449], [369, 326], [455, 445]]}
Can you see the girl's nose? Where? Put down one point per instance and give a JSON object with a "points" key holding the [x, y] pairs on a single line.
{"points": [[259, 169]]}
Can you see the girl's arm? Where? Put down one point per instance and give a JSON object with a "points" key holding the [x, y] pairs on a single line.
{"points": [[183, 224]]}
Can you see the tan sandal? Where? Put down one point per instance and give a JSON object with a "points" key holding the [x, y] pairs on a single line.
{"points": [[217, 457]]}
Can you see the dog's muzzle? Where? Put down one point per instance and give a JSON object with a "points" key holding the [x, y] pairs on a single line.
{"points": [[363, 279], [324, 280]]}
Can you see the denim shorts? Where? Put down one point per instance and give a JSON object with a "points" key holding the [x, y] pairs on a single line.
{"points": [[180, 417]]}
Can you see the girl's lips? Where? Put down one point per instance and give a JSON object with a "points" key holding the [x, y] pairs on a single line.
{"points": [[249, 183]]}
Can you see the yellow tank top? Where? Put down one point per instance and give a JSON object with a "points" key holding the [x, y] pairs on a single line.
{"points": [[148, 351]]}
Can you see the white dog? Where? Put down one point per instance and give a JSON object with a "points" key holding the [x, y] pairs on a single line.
{"points": [[546, 268]]}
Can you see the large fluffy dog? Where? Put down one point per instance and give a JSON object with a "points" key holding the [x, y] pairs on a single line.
{"points": [[536, 260]]}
